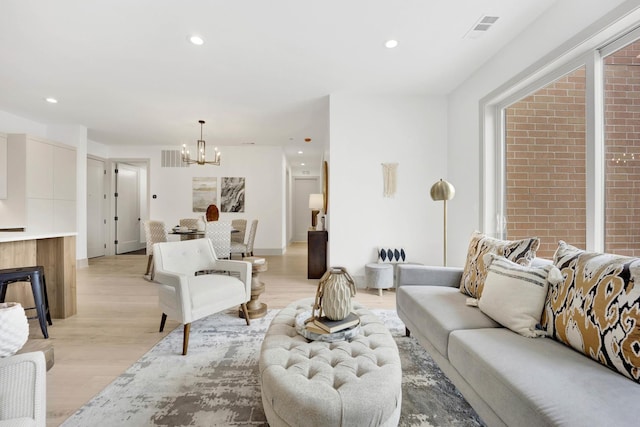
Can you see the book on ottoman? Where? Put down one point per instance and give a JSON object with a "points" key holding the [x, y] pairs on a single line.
{"points": [[332, 326]]}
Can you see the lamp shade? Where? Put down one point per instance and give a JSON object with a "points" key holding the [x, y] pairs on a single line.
{"points": [[316, 201], [442, 190]]}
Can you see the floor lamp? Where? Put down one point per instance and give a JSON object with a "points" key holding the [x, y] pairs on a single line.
{"points": [[443, 190]]}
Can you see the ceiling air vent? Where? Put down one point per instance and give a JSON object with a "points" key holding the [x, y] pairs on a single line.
{"points": [[481, 26], [172, 159]]}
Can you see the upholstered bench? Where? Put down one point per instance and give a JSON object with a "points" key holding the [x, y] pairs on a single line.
{"points": [[344, 383]]}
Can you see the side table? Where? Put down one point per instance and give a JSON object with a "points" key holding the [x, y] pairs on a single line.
{"points": [[379, 276], [255, 308]]}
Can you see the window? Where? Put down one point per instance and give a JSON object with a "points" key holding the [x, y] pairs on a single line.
{"points": [[561, 151], [622, 150], [545, 194]]}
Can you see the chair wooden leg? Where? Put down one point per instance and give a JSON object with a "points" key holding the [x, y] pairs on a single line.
{"points": [[149, 261], [246, 313], [185, 340], [162, 322]]}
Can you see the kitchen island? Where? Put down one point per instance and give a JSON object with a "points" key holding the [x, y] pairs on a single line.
{"points": [[56, 252]]}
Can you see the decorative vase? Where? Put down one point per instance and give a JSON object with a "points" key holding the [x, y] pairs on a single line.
{"points": [[337, 289], [200, 225], [14, 328]]}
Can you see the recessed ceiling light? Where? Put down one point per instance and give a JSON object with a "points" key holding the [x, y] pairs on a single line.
{"points": [[301, 164], [197, 40], [299, 152], [51, 100], [391, 44]]}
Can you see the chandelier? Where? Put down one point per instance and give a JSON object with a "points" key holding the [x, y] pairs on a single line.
{"points": [[201, 155]]}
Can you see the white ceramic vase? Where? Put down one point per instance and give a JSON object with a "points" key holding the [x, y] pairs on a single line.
{"points": [[338, 288], [14, 328]]}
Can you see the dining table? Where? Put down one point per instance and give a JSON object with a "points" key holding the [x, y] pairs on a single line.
{"points": [[194, 233]]}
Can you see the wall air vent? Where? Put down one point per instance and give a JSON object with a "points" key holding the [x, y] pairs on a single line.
{"points": [[480, 27], [172, 159]]}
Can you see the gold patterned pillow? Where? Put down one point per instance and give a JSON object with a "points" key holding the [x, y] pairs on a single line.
{"points": [[519, 251], [596, 309]]}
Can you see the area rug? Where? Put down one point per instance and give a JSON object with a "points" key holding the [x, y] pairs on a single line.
{"points": [[217, 384]]}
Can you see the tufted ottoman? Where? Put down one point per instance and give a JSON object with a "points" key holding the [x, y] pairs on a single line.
{"points": [[344, 383]]}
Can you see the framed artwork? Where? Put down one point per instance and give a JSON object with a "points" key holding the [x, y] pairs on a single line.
{"points": [[231, 194], [204, 193]]}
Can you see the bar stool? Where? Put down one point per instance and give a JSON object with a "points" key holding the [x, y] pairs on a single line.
{"points": [[35, 276]]}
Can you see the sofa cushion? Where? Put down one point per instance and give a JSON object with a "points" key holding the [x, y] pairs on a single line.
{"points": [[542, 382], [438, 310], [514, 294], [519, 251], [596, 309]]}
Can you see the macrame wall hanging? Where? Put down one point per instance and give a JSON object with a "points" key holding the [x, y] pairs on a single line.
{"points": [[389, 172]]}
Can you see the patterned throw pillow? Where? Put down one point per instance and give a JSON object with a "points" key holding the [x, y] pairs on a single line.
{"points": [[519, 251], [514, 295], [596, 309], [391, 255]]}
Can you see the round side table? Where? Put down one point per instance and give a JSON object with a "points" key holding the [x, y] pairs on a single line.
{"points": [[255, 308]]}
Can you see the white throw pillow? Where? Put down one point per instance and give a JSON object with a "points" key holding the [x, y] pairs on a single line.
{"points": [[514, 295]]}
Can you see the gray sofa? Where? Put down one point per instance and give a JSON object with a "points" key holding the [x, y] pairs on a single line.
{"points": [[507, 378]]}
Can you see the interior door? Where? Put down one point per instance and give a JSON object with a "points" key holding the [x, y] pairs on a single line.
{"points": [[302, 187], [127, 208], [96, 221]]}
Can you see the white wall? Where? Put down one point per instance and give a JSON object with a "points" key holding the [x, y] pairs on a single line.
{"points": [[262, 167], [367, 131], [563, 21]]}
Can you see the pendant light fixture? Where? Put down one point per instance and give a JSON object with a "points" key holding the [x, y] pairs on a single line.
{"points": [[200, 159]]}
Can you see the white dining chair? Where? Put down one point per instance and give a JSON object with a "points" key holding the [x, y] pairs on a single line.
{"points": [[191, 224], [154, 232], [219, 233], [246, 249], [240, 227]]}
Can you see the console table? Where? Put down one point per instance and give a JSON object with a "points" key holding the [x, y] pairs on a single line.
{"points": [[316, 253], [56, 252]]}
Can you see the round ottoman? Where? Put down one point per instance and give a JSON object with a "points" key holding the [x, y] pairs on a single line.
{"points": [[317, 383], [378, 276]]}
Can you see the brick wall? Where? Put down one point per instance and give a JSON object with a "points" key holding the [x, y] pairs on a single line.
{"points": [[545, 165], [622, 151]]}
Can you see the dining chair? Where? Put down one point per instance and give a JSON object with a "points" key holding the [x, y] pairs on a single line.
{"points": [[246, 249], [186, 295], [154, 232], [219, 233], [191, 223], [212, 213], [252, 237], [241, 226]]}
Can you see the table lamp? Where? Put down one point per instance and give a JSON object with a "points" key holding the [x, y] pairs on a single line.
{"points": [[443, 190], [316, 202]]}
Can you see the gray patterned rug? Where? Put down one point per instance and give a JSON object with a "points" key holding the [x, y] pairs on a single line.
{"points": [[216, 384]]}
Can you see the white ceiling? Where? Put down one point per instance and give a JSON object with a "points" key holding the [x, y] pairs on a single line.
{"points": [[126, 71]]}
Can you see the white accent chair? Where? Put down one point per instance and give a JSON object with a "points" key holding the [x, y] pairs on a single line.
{"points": [[219, 232], [23, 390], [246, 249], [187, 292], [154, 232]]}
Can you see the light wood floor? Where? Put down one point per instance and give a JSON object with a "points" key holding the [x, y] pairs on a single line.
{"points": [[118, 319]]}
